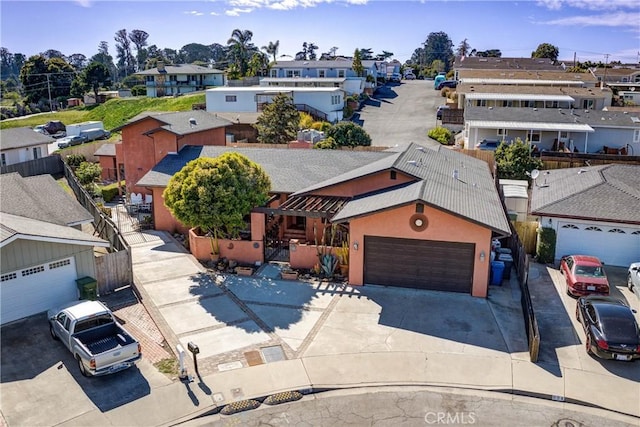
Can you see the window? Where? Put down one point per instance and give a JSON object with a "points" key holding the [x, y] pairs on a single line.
{"points": [[535, 136], [230, 98], [528, 104], [551, 104], [564, 135], [419, 208], [507, 103], [617, 230], [636, 135], [571, 226], [502, 132], [37, 152], [593, 228], [173, 78], [341, 73], [3, 160], [293, 73], [393, 175], [587, 104], [322, 73], [482, 103], [273, 73], [335, 99]]}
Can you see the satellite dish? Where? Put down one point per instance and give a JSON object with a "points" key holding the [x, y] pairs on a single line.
{"points": [[535, 173]]}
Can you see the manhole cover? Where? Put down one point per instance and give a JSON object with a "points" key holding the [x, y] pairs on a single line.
{"points": [[273, 354], [237, 392], [218, 398], [253, 358]]}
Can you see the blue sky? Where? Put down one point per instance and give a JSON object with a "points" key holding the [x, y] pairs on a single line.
{"points": [[588, 28]]}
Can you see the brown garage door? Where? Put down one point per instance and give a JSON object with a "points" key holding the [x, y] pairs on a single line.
{"points": [[423, 264]]}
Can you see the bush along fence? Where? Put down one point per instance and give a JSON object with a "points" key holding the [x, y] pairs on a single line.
{"points": [[115, 270]]}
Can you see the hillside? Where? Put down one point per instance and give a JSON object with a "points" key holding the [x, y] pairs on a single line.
{"points": [[112, 113]]}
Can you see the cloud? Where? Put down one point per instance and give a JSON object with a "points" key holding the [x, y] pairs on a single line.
{"points": [[237, 11], [84, 3], [193, 13], [589, 4], [287, 4], [615, 19]]}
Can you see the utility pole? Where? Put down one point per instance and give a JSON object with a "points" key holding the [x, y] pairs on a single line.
{"points": [[49, 89], [604, 79]]}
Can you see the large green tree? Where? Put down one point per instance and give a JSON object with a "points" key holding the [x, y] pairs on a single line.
{"points": [[46, 78], [279, 121], [272, 49], [357, 66], [438, 46], [95, 76], [139, 39], [215, 194], [241, 49], [514, 160], [546, 50], [349, 134]]}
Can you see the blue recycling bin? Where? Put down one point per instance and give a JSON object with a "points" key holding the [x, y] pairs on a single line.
{"points": [[508, 263], [497, 271]]}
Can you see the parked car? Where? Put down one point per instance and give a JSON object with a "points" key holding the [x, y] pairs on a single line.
{"points": [[40, 129], [633, 278], [93, 134], [70, 141], [488, 144], [584, 275], [610, 327], [447, 83], [410, 76], [97, 341], [439, 111], [395, 78]]}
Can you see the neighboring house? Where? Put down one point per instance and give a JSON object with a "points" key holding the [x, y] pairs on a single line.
{"points": [[325, 103], [22, 144], [43, 251], [464, 63], [528, 77], [350, 86], [174, 80], [340, 68], [422, 217], [622, 75], [150, 136], [584, 131], [630, 97], [594, 211], [110, 160]]}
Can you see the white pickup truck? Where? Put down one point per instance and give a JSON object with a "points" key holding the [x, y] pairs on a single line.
{"points": [[97, 341]]}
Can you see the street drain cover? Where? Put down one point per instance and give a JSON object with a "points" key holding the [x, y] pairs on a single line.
{"points": [[273, 353]]}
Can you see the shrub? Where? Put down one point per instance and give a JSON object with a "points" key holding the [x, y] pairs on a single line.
{"points": [[441, 134], [326, 144], [139, 90], [546, 245], [306, 121], [74, 160], [109, 192], [347, 111], [349, 134], [444, 92], [87, 172]]}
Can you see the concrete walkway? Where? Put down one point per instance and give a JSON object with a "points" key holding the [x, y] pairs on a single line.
{"points": [[260, 335]]}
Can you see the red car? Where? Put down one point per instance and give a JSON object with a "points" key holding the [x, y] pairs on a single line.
{"points": [[584, 275]]}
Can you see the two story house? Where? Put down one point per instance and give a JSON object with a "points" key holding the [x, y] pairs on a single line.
{"points": [[174, 80]]}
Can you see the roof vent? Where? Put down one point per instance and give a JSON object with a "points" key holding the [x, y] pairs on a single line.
{"points": [[412, 162], [192, 122], [455, 174]]}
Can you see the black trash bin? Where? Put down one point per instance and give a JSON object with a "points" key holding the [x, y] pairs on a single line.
{"points": [[508, 263], [88, 287]]}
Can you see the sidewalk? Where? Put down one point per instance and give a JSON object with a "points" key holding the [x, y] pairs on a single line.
{"points": [[507, 372]]}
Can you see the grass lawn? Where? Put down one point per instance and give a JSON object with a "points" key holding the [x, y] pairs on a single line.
{"points": [[112, 113]]}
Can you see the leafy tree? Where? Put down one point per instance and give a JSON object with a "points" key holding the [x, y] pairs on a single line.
{"points": [[514, 160], [546, 50], [139, 39], [43, 78], [88, 172], [193, 52], [438, 46], [95, 76], [52, 53], [307, 52], [126, 62], [441, 134], [279, 121], [240, 47], [366, 54], [105, 59], [78, 61], [357, 66], [215, 194], [258, 64], [491, 53], [349, 134], [464, 49], [384, 55], [272, 49]]}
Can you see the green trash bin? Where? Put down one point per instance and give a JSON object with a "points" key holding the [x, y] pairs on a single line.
{"points": [[88, 287]]}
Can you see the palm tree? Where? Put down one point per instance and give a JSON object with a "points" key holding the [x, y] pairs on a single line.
{"points": [[240, 45], [272, 49]]}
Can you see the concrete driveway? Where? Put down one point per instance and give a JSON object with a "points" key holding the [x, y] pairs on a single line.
{"points": [[400, 113]]}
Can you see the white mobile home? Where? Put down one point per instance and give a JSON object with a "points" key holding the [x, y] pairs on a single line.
{"points": [[324, 103]]}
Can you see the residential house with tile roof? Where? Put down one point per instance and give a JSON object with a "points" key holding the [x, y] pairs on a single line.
{"points": [[420, 216], [593, 210], [179, 79], [22, 144], [43, 249]]}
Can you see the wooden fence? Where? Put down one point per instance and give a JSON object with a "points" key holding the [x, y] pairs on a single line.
{"points": [[559, 160], [528, 233], [50, 165], [114, 269]]}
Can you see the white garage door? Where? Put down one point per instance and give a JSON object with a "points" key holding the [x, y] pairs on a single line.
{"points": [[618, 246], [36, 289]]}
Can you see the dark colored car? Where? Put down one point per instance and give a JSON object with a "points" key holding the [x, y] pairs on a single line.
{"points": [[439, 111], [54, 127], [447, 83], [584, 275], [610, 327]]}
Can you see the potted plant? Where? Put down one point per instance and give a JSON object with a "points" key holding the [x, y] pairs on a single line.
{"points": [[343, 258], [289, 274], [215, 248], [244, 270]]}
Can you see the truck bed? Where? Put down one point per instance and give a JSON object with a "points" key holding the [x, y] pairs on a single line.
{"points": [[104, 338]]}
